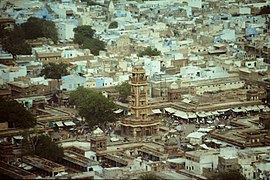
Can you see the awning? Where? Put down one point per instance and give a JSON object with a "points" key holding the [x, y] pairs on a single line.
{"points": [[206, 147], [208, 113], [59, 124], [201, 114], [18, 137], [204, 130], [156, 111], [170, 110], [118, 111], [255, 108], [191, 115], [196, 135], [186, 100], [215, 112], [223, 110], [261, 106], [69, 123], [266, 109], [248, 108], [181, 114], [239, 109]]}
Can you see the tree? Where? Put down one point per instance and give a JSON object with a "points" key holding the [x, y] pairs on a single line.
{"points": [[13, 41], [54, 71], [149, 52], [149, 176], [93, 106], [92, 3], [48, 149], [95, 45], [113, 25], [265, 10], [224, 175], [15, 114], [124, 89], [84, 36], [42, 145], [36, 27], [82, 33]]}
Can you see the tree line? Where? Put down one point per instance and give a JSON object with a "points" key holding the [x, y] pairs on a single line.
{"points": [[14, 40]]}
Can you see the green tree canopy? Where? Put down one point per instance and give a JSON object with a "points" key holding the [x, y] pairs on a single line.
{"points": [[92, 3], [15, 114], [54, 71], [48, 149], [42, 145], [149, 52], [95, 45], [13, 41], [265, 10], [124, 89], [84, 36], [231, 174], [36, 27], [82, 33], [149, 176], [113, 25], [93, 106]]}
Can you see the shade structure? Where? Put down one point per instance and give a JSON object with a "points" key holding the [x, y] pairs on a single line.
{"points": [[239, 109], [118, 111], [224, 110], [69, 123], [156, 111], [201, 114], [181, 114], [59, 124], [170, 110], [191, 115]]}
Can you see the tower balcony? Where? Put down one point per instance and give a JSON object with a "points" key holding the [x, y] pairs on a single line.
{"points": [[140, 122]]}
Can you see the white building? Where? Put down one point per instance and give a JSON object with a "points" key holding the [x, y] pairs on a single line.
{"points": [[65, 30], [228, 35], [196, 73], [151, 66], [9, 73], [199, 161]]}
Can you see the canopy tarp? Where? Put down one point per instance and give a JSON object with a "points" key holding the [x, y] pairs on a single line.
{"points": [[156, 111], [59, 123], [118, 111], [170, 110], [69, 123]]}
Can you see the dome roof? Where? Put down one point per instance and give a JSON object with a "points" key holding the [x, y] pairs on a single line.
{"points": [[174, 85], [98, 132]]}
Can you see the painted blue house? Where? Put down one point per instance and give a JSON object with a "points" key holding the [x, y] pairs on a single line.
{"points": [[72, 82], [99, 82], [44, 14]]}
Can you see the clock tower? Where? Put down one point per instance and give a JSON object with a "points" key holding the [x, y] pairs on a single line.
{"points": [[139, 124]]}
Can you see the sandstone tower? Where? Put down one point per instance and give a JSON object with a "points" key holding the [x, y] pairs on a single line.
{"points": [[139, 124]]}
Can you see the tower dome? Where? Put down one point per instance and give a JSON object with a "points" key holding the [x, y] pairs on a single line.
{"points": [[174, 85]]}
